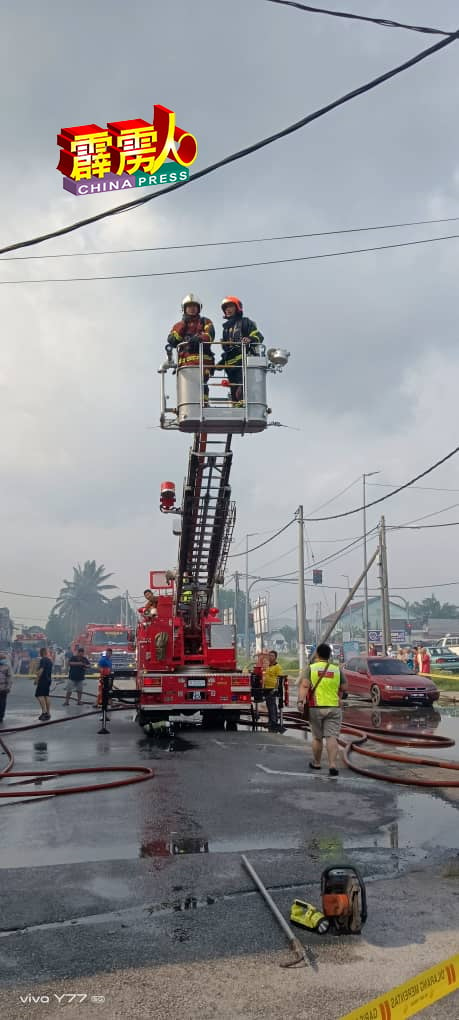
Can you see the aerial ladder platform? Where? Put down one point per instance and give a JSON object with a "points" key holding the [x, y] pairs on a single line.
{"points": [[186, 654]]}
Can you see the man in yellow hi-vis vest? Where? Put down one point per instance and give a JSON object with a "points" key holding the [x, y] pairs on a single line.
{"points": [[323, 686]]}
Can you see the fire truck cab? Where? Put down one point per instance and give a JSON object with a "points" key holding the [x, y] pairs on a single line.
{"points": [[185, 666]]}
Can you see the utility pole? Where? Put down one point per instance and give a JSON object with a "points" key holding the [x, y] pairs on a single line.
{"points": [[236, 600], [301, 596], [365, 581], [246, 625], [384, 586]]}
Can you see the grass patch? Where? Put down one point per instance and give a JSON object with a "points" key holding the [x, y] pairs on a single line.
{"points": [[446, 683]]}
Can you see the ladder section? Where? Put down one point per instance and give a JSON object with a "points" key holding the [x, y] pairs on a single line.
{"points": [[208, 518]]}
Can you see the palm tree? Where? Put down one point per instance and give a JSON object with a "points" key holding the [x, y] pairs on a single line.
{"points": [[82, 600]]}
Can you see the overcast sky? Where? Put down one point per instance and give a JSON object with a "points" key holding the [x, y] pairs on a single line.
{"points": [[372, 382]]}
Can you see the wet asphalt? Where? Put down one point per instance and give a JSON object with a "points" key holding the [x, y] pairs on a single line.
{"points": [[151, 874]]}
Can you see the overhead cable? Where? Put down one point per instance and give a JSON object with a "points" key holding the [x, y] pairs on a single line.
{"points": [[241, 153], [394, 492], [260, 546], [382, 22], [241, 240], [239, 265], [421, 527], [27, 595]]}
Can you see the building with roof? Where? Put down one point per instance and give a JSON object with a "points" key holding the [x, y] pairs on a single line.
{"points": [[352, 622]]}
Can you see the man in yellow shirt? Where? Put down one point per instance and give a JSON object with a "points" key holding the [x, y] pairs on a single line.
{"points": [[270, 689]]}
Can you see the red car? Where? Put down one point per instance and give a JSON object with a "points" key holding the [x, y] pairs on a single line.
{"points": [[383, 679]]}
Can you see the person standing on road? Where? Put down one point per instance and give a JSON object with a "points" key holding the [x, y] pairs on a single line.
{"points": [[78, 664], [105, 671], [271, 675], [6, 680], [425, 661], [43, 682], [59, 661], [325, 684]]}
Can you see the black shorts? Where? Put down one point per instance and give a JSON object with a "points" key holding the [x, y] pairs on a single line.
{"points": [[42, 688]]}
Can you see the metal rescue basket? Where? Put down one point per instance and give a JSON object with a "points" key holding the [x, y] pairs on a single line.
{"points": [[213, 411]]}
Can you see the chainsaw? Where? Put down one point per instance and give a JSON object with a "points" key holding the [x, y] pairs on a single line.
{"points": [[344, 904]]}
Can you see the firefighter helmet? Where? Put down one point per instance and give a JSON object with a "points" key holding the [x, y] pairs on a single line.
{"points": [[191, 299], [232, 301]]}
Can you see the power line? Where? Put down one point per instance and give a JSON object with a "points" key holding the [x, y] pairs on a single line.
{"points": [[242, 240], [260, 546], [424, 488], [239, 265], [27, 595], [394, 492], [425, 517], [348, 513], [421, 527], [382, 22], [338, 494], [241, 153]]}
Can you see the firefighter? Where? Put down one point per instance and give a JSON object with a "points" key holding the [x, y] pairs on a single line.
{"points": [[237, 330], [187, 590], [196, 330], [150, 610]]}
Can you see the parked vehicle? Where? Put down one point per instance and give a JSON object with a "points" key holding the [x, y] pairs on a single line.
{"points": [[383, 679], [97, 637], [442, 660], [450, 643]]}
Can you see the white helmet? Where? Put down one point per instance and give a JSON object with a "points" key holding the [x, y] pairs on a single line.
{"points": [[191, 299]]}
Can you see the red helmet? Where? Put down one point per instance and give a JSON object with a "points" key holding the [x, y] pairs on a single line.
{"points": [[232, 301]]}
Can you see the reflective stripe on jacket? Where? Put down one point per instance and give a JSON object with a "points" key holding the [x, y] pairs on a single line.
{"points": [[233, 332], [326, 692]]}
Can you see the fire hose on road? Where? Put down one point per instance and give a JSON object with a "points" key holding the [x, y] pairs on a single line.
{"points": [[137, 773], [359, 736], [400, 738]]}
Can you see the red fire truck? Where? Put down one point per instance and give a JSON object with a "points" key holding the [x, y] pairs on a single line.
{"points": [[97, 637], [186, 655]]}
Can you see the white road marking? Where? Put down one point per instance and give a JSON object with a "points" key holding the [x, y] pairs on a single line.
{"points": [[279, 772], [219, 743]]}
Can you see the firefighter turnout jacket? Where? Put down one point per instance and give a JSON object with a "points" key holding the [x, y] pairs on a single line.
{"points": [[234, 329], [191, 333]]}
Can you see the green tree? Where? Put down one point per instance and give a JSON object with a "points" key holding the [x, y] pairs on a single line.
{"points": [[433, 609], [290, 635], [82, 600]]}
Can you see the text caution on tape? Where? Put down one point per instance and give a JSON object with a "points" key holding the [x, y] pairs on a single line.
{"points": [[408, 999]]}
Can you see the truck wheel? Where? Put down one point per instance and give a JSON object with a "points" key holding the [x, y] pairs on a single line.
{"points": [[375, 694], [213, 720], [232, 720]]}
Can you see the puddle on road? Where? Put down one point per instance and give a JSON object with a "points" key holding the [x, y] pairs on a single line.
{"points": [[424, 821], [151, 748]]}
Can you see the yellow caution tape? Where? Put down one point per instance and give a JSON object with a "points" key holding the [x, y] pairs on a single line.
{"points": [[413, 995]]}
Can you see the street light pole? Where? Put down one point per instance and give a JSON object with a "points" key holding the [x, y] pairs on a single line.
{"points": [[365, 583], [246, 624], [251, 534], [301, 596]]}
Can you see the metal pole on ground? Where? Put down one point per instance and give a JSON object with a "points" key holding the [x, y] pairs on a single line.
{"points": [[293, 940], [329, 630]]}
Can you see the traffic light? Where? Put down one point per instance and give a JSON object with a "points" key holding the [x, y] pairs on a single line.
{"points": [[317, 577]]}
